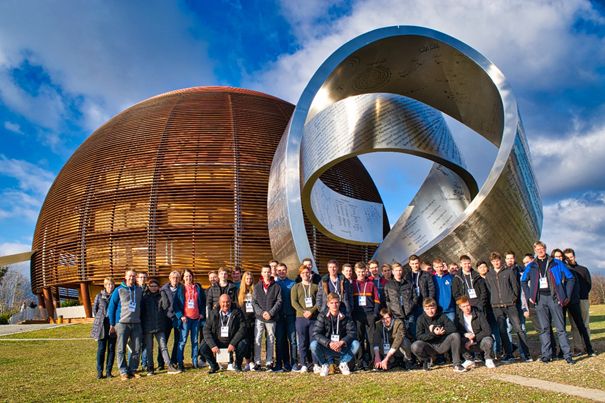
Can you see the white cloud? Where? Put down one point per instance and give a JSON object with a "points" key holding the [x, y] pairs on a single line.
{"points": [[11, 248], [575, 162], [30, 177], [13, 127], [578, 223]]}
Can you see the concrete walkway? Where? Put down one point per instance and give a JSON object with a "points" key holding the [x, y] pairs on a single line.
{"points": [[586, 393], [14, 329]]}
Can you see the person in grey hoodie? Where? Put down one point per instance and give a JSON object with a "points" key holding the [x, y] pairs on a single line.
{"points": [[168, 292], [124, 314]]}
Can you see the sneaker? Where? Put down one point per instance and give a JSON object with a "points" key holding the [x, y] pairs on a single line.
{"points": [[161, 368], [237, 368], [100, 375], [507, 359], [459, 368], [468, 364], [124, 377], [109, 375], [150, 373], [230, 367], [325, 370], [136, 375], [593, 354], [173, 369], [276, 369], [489, 363], [303, 369], [426, 365], [570, 361], [316, 369], [255, 366], [545, 360], [527, 358], [344, 368], [213, 370]]}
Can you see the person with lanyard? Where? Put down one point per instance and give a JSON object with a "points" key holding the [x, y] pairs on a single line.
{"points": [[436, 334], [124, 312], [334, 337], [100, 330], [347, 272], [580, 313], [224, 286], [379, 281], [285, 332], [236, 277], [391, 346], [168, 291], [142, 278], [399, 296], [443, 289], [267, 302], [423, 287], [225, 329], [366, 305], [548, 284], [470, 284], [189, 310], [476, 333], [244, 299], [315, 277], [303, 298], [336, 283]]}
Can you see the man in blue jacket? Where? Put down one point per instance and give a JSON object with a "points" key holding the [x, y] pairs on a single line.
{"points": [[124, 313], [548, 284]]}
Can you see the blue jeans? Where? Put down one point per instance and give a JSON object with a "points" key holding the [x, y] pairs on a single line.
{"points": [[285, 337], [128, 333], [106, 344], [304, 329], [550, 313], [175, 344], [326, 355], [190, 326]]}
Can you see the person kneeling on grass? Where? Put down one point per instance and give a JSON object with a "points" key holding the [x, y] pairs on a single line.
{"points": [[334, 336], [436, 334], [225, 330], [476, 333], [153, 314], [390, 342]]}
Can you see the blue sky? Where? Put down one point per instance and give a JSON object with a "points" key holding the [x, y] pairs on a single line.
{"points": [[67, 67]]}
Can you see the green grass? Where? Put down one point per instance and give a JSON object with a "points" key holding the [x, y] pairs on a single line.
{"points": [[65, 370]]}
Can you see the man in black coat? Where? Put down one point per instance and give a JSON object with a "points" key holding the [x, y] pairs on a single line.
{"points": [[476, 333], [224, 329], [423, 287], [266, 302], [469, 283]]}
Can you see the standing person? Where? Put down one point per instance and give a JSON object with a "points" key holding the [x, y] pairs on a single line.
{"points": [[236, 277], [267, 303], [387, 272], [153, 314], [223, 286], [422, 286], [334, 337], [584, 284], [504, 293], [168, 291], [244, 299], [142, 278], [189, 309], [470, 283], [273, 265], [443, 289], [453, 269], [303, 298], [436, 334], [347, 272], [212, 278], [548, 284], [399, 296], [225, 328], [106, 342], [379, 281], [476, 333], [390, 342], [315, 277], [334, 282], [124, 312], [285, 332], [366, 305]]}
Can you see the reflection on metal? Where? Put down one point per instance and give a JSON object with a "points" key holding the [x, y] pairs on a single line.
{"points": [[335, 119]]}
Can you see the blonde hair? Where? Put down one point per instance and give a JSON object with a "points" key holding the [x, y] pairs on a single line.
{"points": [[245, 288], [108, 280]]}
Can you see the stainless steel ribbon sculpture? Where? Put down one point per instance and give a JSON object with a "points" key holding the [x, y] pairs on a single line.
{"points": [[385, 91]]}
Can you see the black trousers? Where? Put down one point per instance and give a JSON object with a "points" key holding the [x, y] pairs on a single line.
{"points": [[510, 312], [425, 350], [366, 324], [240, 350], [575, 312]]}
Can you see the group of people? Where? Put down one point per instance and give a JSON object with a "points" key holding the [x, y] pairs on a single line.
{"points": [[365, 316]]}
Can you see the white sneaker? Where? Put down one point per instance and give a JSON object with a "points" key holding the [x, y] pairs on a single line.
{"points": [[325, 370], [316, 369], [344, 369], [303, 369], [468, 364], [247, 367], [230, 367], [489, 363]]}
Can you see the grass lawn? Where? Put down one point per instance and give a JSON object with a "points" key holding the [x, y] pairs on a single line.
{"points": [[65, 370]]}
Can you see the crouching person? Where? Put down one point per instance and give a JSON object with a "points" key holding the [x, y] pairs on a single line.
{"points": [[476, 332], [225, 329], [153, 314], [390, 343], [334, 337], [436, 334]]}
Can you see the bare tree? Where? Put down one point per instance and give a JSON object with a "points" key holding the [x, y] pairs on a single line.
{"points": [[14, 290], [597, 292]]}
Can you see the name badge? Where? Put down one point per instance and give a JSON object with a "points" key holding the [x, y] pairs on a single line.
{"points": [[471, 293], [308, 302], [417, 291], [335, 338], [249, 308], [132, 306], [362, 300], [401, 300], [386, 347], [224, 331], [190, 304], [543, 282]]}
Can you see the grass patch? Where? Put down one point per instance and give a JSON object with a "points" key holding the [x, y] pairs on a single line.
{"points": [[65, 370]]}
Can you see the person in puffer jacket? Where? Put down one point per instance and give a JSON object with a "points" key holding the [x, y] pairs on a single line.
{"points": [[100, 330]]}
